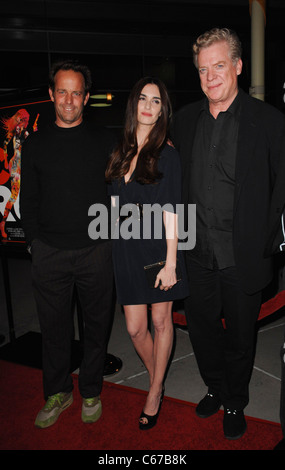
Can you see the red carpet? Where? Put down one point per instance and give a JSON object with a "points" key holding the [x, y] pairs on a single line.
{"points": [[178, 427]]}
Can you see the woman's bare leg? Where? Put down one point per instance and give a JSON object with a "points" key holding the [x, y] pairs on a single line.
{"points": [[137, 326], [154, 354], [163, 342]]}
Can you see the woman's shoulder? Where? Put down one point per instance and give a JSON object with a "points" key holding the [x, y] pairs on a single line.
{"points": [[169, 151], [169, 158]]}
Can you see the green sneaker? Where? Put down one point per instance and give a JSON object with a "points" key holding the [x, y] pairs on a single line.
{"points": [[91, 409], [55, 404]]}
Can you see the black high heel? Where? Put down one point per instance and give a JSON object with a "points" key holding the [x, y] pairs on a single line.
{"points": [[151, 420]]}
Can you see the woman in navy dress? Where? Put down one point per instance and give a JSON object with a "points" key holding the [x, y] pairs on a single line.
{"points": [[144, 171]]}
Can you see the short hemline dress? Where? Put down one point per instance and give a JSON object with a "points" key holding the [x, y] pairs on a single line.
{"points": [[132, 254]]}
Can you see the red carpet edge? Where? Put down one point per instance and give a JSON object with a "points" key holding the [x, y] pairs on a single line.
{"points": [[178, 428]]}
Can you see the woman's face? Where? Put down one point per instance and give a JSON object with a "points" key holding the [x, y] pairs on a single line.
{"points": [[149, 105]]}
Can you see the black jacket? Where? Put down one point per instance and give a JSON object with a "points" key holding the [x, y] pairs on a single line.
{"points": [[259, 150], [275, 232]]}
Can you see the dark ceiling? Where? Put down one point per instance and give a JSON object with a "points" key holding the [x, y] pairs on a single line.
{"points": [[120, 40], [89, 26]]}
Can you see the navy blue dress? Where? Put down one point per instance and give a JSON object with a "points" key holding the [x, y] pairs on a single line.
{"points": [[132, 254]]}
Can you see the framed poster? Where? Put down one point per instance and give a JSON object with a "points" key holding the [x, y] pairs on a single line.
{"points": [[16, 123]]}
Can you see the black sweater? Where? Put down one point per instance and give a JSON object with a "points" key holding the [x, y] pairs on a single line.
{"points": [[62, 175]]}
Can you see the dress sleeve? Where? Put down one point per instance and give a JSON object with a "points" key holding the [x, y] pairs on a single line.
{"points": [[112, 188], [169, 187]]}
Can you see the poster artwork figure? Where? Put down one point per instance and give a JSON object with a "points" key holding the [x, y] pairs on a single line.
{"points": [[15, 131]]}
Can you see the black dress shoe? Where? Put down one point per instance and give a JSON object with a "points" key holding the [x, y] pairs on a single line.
{"points": [[209, 405], [234, 424], [280, 445]]}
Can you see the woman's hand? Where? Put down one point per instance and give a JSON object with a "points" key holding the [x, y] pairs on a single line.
{"points": [[166, 278]]}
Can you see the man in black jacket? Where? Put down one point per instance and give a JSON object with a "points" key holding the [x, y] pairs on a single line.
{"points": [[63, 175], [230, 145], [276, 245]]}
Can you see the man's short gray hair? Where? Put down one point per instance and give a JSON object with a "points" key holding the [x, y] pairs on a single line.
{"points": [[218, 35]]}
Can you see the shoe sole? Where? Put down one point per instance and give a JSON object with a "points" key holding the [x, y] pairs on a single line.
{"points": [[234, 438], [53, 420]]}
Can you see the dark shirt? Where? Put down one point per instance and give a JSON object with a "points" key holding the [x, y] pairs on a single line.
{"points": [[63, 175], [212, 183]]}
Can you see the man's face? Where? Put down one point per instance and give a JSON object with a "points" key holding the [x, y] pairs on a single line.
{"points": [[69, 98], [218, 75]]}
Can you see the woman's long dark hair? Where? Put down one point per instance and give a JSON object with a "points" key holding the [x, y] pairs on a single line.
{"points": [[146, 171]]}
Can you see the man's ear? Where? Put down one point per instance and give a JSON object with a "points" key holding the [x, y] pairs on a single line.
{"points": [[86, 98], [51, 94], [239, 66]]}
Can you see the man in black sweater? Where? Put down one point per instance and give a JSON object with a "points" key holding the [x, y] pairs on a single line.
{"points": [[63, 169]]}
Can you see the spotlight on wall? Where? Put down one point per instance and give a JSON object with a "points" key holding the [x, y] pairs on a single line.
{"points": [[103, 100]]}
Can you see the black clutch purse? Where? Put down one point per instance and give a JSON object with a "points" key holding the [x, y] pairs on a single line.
{"points": [[152, 270]]}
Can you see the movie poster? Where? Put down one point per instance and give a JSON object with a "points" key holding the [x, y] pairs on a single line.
{"points": [[16, 124]]}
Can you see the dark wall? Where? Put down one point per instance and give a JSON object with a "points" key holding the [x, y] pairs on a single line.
{"points": [[122, 41]]}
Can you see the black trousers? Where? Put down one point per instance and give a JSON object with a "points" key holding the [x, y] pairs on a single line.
{"points": [[224, 355], [55, 273], [282, 398]]}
